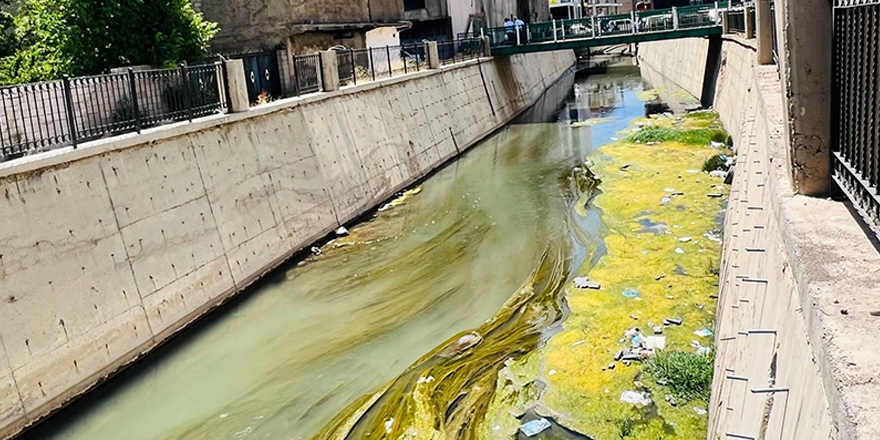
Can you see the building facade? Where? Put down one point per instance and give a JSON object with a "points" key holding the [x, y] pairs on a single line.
{"points": [[300, 25]]}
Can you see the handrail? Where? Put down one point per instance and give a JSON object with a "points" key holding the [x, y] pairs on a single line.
{"points": [[589, 28]]}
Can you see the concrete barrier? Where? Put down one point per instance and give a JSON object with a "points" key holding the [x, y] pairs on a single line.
{"points": [[797, 283], [107, 250]]}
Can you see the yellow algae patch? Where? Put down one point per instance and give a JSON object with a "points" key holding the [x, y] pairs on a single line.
{"points": [[401, 199], [657, 211]]}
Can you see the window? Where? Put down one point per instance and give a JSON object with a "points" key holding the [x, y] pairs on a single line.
{"points": [[413, 5]]}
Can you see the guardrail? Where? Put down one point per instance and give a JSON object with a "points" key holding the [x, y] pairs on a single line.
{"points": [[856, 108], [634, 23], [457, 51], [362, 65], [42, 116]]}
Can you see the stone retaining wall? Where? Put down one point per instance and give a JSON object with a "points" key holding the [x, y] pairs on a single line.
{"points": [[798, 279]]}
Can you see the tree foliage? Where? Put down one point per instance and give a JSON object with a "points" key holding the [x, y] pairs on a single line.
{"points": [[80, 37]]}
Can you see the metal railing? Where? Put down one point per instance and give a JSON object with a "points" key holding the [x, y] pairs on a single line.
{"points": [[306, 74], [44, 116], [457, 51], [634, 23], [856, 107], [736, 21], [774, 39]]}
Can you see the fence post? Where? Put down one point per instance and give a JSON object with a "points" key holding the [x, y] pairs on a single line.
{"points": [[725, 21], [433, 55], [68, 104], [748, 16], [187, 102], [633, 22], [237, 85], [388, 55], [763, 21], [354, 79], [404, 55], [372, 66], [329, 70], [674, 18], [555, 38], [296, 87], [132, 85], [487, 48]]}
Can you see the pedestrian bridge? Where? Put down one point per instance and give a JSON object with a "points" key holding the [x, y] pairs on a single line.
{"points": [[635, 27]]}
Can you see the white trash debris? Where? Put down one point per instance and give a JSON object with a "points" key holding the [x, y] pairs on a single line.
{"points": [[718, 173], [636, 398], [703, 333], [342, 231], [655, 342], [389, 424], [679, 250], [685, 239], [535, 427], [700, 411], [585, 283]]}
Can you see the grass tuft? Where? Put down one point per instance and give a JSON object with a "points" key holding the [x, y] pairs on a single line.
{"points": [[688, 375], [715, 162], [699, 136]]}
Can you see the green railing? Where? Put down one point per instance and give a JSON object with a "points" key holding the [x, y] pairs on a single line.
{"points": [[634, 23]]}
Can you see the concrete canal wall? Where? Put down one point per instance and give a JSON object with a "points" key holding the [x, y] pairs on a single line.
{"points": [[798, 276], [108, 250]]}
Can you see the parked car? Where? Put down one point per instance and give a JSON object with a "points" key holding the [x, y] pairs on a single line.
{"points": [[617, 26], [580, 30], [656, 23]]}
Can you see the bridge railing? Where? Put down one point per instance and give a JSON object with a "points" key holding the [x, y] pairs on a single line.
{"points": [[634, 23]]}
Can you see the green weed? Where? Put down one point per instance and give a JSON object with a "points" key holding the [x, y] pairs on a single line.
{"points": [[688, 375], [699, 136], [715, 162], [626, 427]]}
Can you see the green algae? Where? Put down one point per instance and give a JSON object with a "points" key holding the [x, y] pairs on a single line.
{"points": [[524, 361], [447, 393], [670, 267]]}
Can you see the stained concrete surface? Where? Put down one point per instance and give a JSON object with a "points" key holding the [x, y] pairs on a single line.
{"points": [[799, 280]]}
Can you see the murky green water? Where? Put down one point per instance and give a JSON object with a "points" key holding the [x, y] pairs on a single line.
{"points": [[313, 338]]}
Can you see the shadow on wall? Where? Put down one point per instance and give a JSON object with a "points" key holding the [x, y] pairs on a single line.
{"points": [[550, 103]]}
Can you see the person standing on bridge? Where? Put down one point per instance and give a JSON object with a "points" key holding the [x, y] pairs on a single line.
{"points": [[508, 30]]}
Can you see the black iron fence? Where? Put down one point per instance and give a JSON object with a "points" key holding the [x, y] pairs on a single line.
{"points": [[43, 116], [774, 39], [736, 21], [306, 74], [856, 147], [457, 51]]}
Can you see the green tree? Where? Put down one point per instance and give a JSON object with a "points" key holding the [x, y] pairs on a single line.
{"points": [[80, 37]]}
